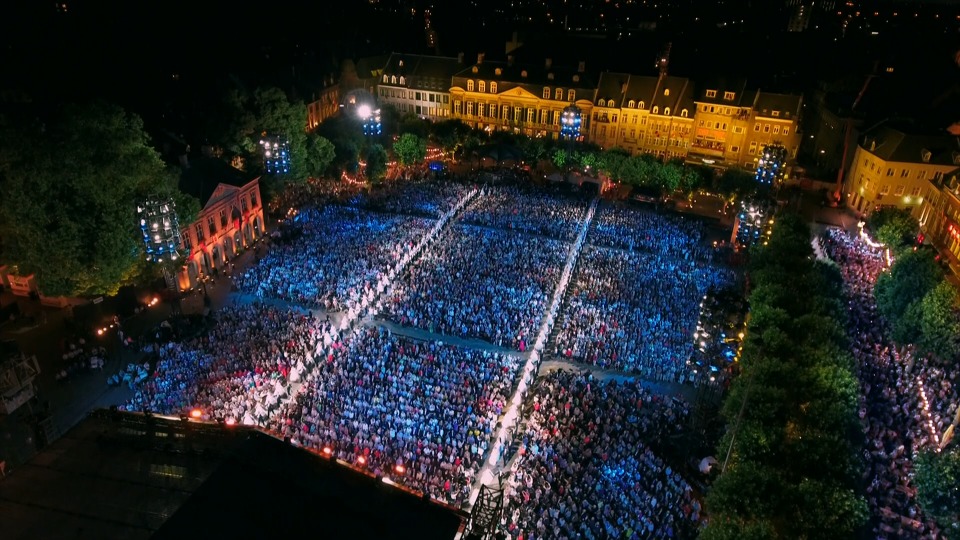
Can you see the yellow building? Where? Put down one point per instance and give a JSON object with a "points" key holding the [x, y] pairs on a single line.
{"points": [[894, 168], [641, 114], [733, 124], [525, 99], [939, 213]]}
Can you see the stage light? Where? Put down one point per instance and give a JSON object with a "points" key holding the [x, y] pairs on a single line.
{"points": [[364, 111], [400, 469], [99, 331], [327, 450], [361, 460], [196, 413]]}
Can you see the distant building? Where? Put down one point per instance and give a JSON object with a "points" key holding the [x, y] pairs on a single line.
{"points": [[230, 218], [324, 103], [895, 168], [522, 98], [418, 84]]}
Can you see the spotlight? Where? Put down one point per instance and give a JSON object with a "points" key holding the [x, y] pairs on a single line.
{"points": [[400, 469], [231, 422], [361, 460], [327, 451], [196, 413]]}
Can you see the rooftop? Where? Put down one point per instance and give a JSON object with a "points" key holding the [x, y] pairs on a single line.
{"points": [[202, 175]]}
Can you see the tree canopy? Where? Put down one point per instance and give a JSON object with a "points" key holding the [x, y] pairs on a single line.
{"points": [[376, 168], [70, 188], [900, 291], [410, 149], [937, 477], [319, 156], [893, 227], [793, 467]]}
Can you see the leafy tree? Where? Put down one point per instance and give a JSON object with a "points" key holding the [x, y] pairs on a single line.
{"points": [[450, 135], [413, 124], [669, 176], [534, 150], [320, 155], [70, 188], [937, 477], [734, 183], [914, 274], [940, 321], [376, 169], [561, 158], [410, 149], [894, 227]]}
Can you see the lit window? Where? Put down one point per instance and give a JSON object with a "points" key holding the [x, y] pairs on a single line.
{"points": [[786, 131], [609, 103], [666, 111], [899, 191], [728, 96], [666, 91], [656, 110], [711, 93], [631, 104], [481, 86], [571, 95], [546, 92], [642, 105], [493, 87], [683, 113], [558, 94], [469, 86], [393, 79]]}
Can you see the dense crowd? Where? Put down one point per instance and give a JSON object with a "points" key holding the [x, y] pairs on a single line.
{"points": [[240, 369], [622, 227], [621, 313], [419, 412], [481, 283], [892, 411], [336, 256], [587, 468], [528, 210], [420, 195]]}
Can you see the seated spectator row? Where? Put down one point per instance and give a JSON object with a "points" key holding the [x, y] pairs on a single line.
{"points": [[337, 256], [480, 283], [618, 226], [525, 209], [420, 195], [586, 468]]}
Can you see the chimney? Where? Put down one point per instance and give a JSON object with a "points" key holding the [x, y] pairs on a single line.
{"points": [[509, 59], [480, 58], [581, 67], [460, 58], [548, 63]]}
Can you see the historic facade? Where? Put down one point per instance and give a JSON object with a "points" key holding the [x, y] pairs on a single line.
{"points": [[525, 99], [230, 219], [418, 84]]}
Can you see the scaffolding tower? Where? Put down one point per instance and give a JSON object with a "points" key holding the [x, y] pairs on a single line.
{"points": [[486, 514]]}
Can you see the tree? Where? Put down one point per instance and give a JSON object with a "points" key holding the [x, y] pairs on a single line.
{"points": [[561, 158], [376, 168], [320, 154], [450, 135], [912, 276], [940, 321], [70, 189], [735, 183], [410, 149], [893, 227], [937, 477]]}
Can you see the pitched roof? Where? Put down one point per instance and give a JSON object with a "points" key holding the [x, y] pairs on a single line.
{"points": [[532, 77], [721, 86], [423, 72], [788, 105], [894, 145], [202, 175]]}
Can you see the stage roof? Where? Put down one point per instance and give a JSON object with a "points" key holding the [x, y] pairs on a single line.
{"points": [[123, 476]]}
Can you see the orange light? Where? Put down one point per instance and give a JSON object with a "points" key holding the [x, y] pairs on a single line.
{"points": [[196, 413], [400, 469], [230, 421], [362, 460], [327, 450]]}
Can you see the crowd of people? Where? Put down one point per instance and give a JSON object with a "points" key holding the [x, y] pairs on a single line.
{"points": [[529, 210], [587, 466], [894, 386], [421, 412], [420, 195], [619, 226], [621, 313], [239, 370], [480, 283], [336, 256]]}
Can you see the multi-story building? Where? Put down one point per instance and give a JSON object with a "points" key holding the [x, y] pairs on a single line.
{"points": [[521, 98], [895, 168], [230, 218], [418, 84], [734, 124], [324, 103], [643, 114]]}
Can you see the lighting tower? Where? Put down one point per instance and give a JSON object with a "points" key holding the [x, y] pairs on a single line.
{"points": [[771, 165], [161, 234], [570, 121], [276, 153], [371, 120], [753, 224]]}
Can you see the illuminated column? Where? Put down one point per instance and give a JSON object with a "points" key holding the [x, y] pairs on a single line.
{"points": [[570, 121], [276, 154]]}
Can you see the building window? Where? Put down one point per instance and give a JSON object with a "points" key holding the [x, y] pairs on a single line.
{"points": [[915, 192], [711, 93], [469, 108], [223, 218], [493, 88], [403, 80], [187, 243], [737, 129], [558, 94], [480, 109], [419, 97], [921, 175], [546, 92], [493, 110], [609, 103], [735, 149], [885, 189], [386, 78], [899, 191], [728, 96], [200, 235], [482, 86], [253, 200], [211, 226], [600, 102], [641, 105], [631, 104], [666, 92], [775, 114], [683, 113], [446, 98], [656, 109], [457, 107], [776, 130], [556, 118], [904, 173], [393, 79], [469, 86], [243, 205], [766, 128], [571, 95], [889, 171], [786, 131]]}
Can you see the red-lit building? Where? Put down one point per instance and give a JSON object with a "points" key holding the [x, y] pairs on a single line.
{"points": [[230, 218]]}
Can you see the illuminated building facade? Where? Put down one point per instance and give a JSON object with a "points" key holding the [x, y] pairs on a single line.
{"points": [[644, 114], [521, 98], [230, 218], [418, 84], [324, 104]]}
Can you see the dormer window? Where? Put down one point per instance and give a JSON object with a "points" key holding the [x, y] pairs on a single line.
{"points": [[609, 103], [711, 93], [403, 80], [497, 71], [523, 74], [393, 79], [571, 95], [558, 94], [401, 63], [482, 86], [666, 91], [470, 86], [728, 96], [631, 104], [775, 114], [642, 105], [493, 87], [546, 92], [656, 110], [386, 78], [600, 102], [666, 111], [925, 155], [683, 113]]}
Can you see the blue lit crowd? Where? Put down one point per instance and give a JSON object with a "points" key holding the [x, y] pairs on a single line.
{"points": [[420, 412], [336, 256], [658, 233], [418, 195], [527, 210], [587, 468], [895, 421]]}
